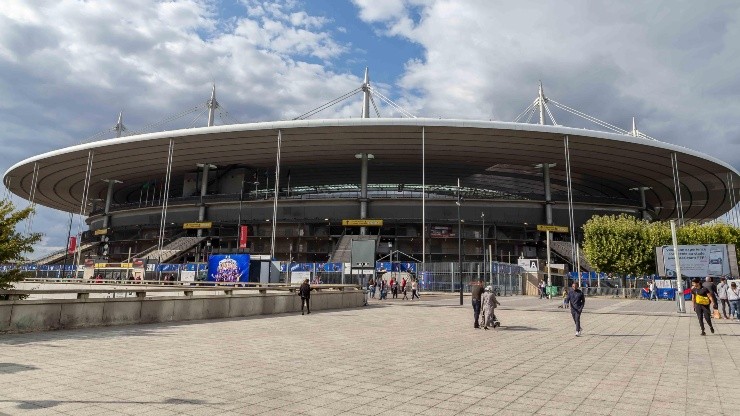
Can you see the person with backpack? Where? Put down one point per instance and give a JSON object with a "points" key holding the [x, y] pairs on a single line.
{"points": [[702, 297], [733, 297]]}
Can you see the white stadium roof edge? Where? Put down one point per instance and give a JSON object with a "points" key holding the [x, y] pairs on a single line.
{"points": [[615, 163]]}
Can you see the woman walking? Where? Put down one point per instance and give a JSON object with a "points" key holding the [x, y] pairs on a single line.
{"points": [[702, 297]]}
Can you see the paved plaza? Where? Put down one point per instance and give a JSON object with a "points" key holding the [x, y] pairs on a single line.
{"points": [[391, 358]]}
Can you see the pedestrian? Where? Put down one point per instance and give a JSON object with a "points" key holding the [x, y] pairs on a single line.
{"points": [[403, 284], [653, 291], [372, 288], [733, 296], [403, 290], [489, 303], [414, 289], [305, 292], [565, 299], [476, 290], [541, 287], [701, 296], [577, 301], [394, 288], [383, 289], [709, 284], [722, 290]]}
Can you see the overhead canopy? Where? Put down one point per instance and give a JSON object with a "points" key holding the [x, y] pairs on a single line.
{"points": [[489, 155]]}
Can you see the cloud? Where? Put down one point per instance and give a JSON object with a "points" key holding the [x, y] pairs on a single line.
{"points": [[68, 67], [673, 66]]}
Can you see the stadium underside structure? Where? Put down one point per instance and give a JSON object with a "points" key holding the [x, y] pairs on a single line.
{"points": [[512, 177]]}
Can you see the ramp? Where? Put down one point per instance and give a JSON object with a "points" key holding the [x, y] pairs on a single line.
{"points": [[564, 250], [59, 254]]}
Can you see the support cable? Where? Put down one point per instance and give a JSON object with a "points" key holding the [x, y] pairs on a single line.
{"points": [[588, 117], [375, 107], [149, 127], [83, 203], [328, 104], [165, 200], [32, 196], [569, 182], [390, 102], [526, 110], [547, 108]]}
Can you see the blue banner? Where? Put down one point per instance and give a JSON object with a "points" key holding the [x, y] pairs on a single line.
{"points": [[191, 267], [228, 268], [168, 267], [301, 267], [329, 267]]}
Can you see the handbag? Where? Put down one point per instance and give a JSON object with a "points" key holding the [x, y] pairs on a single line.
{"points": [[701, 300]]}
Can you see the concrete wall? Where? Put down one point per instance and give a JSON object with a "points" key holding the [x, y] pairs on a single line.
{"points": [[48, 314]]}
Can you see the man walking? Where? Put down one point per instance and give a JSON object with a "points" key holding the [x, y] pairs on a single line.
{"points": [[414, 289], [653, 291], [476, 291], [722, 291], [305, 292], [576, 300], [701, 297]]}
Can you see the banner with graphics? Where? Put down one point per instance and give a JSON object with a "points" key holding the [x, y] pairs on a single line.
{"points": [[697, 260], [228, 268]]}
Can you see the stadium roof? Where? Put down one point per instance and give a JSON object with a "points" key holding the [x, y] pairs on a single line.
{"points": [[486, 154]]}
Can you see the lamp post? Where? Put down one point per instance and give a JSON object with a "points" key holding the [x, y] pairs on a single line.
{"points": [[485, 265], [459, 240]]}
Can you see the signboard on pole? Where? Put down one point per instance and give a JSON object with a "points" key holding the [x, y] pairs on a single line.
{"points": [[363, 253], [552, 228], [72, 246], [698, 260]]}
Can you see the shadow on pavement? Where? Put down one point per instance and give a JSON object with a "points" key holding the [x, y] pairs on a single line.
{"points": [[519, 328], [46, 404]]}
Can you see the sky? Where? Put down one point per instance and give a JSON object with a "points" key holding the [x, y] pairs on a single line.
{"points": [[67, 67]]}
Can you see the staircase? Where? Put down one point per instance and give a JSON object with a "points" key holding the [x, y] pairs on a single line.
{"points": [[59, 255], [564, 250], [173, 249], [343, 252]]}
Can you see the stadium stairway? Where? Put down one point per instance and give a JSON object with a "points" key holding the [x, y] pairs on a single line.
{"points": [[564, 250], [343, 252], [60, 254], [173, 249]]}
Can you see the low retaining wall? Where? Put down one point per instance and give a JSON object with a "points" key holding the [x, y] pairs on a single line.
{"points": [[49, 314]]}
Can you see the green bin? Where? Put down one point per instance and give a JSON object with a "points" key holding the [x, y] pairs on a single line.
{"points": [[552, 290]]}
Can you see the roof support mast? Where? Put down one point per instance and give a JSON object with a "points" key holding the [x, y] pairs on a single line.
{"points": [[364, 156], [212, 106], [541, 103]]}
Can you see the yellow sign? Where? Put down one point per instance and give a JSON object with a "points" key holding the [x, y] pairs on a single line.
{"points": [[552, 228], [362, 223], [197, 225], [102, 231]]}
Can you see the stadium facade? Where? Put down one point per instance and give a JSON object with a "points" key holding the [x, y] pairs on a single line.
{"points": [[186, 193]]}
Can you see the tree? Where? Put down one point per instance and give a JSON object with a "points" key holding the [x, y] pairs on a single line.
{"points": [[13, 244], [626, 245]]}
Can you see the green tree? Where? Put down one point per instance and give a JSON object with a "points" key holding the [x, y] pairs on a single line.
{"points": [[13, 244], [626, 245]]}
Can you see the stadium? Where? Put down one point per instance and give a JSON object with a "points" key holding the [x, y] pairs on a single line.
{"points": [[303, 189]]}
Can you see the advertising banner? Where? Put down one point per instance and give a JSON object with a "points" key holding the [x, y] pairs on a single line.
{"points": [[529, 265], [329, 267], [72, 246], [228, 268], [697, 260], [243, 230], [441, 231]]}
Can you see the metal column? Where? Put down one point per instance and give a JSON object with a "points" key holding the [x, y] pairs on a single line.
{"points": [[203, 192], [363, 192]]}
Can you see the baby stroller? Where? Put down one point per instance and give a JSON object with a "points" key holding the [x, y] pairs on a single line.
{"points": [[496, 322]]}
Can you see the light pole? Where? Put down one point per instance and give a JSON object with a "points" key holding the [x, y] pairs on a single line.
{"points": [[485, 265], [459, 240], [239, 218]]}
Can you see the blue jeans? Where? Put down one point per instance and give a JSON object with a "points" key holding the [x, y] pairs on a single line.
{"points": [[735, 308], [476, 311], [654, 295]]}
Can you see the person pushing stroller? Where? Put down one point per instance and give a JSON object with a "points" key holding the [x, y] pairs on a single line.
{"points": [[489, 306]]}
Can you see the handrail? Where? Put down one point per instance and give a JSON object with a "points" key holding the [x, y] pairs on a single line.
{"points": [[142, 290]]}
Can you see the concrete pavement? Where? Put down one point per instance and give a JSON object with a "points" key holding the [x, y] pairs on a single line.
{"points": [[391, 358]]}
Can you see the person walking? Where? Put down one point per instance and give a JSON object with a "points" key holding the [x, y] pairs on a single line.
{"points": [[701, 297], [733, 296], [476, 292], [489, 303], [372, 288], [305, 292], [653, 291], [541, 287], [394, 288], [565, 299], [722, 290], [712, 287], [414, 289], [576, 300]]}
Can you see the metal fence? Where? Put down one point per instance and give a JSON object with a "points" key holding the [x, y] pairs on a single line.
{"points": [[445, 277]]}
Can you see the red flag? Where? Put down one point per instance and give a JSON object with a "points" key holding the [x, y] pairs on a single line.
{"points": [[243, 236], [72, 245]]}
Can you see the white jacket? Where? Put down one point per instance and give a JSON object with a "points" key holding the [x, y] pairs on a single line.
{"points": [[733, 294]]}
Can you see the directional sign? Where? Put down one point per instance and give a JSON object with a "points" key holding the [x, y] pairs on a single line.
{"points": [[197, 225], [362, 223], [552, 228]]}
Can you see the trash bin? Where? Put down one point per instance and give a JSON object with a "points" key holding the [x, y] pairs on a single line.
{"points": [[552, 290]]}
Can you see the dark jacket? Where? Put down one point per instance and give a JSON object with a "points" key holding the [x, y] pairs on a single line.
{"points": [[577, 300], [305, 291], [477, 291]]}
